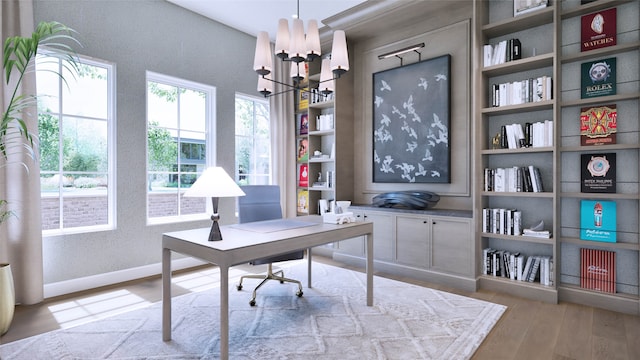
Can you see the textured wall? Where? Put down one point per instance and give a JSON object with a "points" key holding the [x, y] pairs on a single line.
{"points": [[138, 36]]}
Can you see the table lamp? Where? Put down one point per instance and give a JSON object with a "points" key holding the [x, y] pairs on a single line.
{"points": [[214, 183]]}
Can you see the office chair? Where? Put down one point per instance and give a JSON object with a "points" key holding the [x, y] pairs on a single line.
{"points": [[262, 202]]}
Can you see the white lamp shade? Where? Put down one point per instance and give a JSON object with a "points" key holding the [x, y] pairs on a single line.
{"points": [[326, 84], [297, 51], [313, 39], [262, 61], [282, 39], [339, 54], [214, 182]]}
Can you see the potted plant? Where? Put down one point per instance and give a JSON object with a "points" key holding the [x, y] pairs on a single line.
{"points": [[18, 59]]}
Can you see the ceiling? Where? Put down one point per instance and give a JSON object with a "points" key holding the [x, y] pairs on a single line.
{"points": [[252, 16]]}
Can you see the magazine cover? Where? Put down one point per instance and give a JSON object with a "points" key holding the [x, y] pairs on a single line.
{"points": [[598, 78], [598, 220], [598, 270], [598, 30], [598, 125], [598, 173]]}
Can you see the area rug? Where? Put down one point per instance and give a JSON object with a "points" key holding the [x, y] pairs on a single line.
{"points": [[330, 321]]}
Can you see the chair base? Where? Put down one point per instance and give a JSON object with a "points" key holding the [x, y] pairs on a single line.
{"points": [[271, 275]]}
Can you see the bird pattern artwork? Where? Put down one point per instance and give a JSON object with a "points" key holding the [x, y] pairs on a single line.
{"points": [[411, 108]]}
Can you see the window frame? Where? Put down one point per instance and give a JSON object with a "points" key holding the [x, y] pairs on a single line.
{"points": [[210, 140], [111, 147]]}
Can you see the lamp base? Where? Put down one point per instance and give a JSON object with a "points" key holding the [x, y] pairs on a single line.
{"points": [[215, 234]]}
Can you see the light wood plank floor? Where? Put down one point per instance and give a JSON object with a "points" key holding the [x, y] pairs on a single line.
{"points": [[527, 330]]}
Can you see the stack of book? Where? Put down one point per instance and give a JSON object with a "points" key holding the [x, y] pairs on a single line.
{"points": [[503, 51], [513, 179], [522, 92], [502, 263]]}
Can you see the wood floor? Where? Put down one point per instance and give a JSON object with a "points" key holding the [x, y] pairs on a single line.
{"points": [[527, 330]]}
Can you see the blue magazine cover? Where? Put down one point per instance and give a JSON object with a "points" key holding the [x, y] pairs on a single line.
{"points": [[598, 220]]}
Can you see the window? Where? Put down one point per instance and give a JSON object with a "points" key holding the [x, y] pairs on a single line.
{"points": [[180, 145], [76, 126], [253, 148]]}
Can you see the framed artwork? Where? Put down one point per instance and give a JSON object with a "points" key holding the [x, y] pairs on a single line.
{"points": [[411, 110], [526, 6]]}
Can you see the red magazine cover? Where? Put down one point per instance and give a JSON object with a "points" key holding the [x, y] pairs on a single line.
{"points": [[598, 30], [304, 176], [598, 270]]}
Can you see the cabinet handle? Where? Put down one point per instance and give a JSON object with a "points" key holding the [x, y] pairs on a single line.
{"points": [[433, 223], [424, 221]]}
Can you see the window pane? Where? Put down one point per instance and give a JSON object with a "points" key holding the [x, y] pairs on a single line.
{"points": [[48, 84], [193, 110], [253, 144], [162, 107], [49, 141], [89, 89], [85, 145]]}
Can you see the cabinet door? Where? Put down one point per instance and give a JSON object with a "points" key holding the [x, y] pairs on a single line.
{"points": [[451, 245], [354, 246], [412, 240], [382, 235]]}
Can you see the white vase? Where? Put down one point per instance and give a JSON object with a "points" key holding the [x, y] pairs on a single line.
{"points": [[7, 298]]}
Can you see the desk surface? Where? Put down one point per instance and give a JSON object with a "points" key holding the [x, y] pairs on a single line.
{"points": [[241, 244]]}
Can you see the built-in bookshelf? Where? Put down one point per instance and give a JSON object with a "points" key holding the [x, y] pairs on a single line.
{"points": [[325, 172], [620, 152], [549, 41], [513, 95]]}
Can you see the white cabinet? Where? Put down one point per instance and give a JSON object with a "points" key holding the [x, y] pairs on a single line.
{"points": [[432, 245]]}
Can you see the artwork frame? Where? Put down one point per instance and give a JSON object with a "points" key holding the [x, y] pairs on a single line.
{"points": [[411, 121]]}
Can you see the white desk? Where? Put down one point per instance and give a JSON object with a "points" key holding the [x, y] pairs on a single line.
{"points": [[239, 246]]}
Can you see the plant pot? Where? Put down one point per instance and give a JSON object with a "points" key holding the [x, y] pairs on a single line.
{"points": [[7, 298]]}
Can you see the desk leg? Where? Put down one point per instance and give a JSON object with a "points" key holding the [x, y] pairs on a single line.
{"points": [[309, 268], [166, 294], [369, 269], [224, 312]]}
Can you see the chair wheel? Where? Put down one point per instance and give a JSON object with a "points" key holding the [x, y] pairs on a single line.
{"points": [[299, 293], [239, 287], [252, 302], [281, 281]]}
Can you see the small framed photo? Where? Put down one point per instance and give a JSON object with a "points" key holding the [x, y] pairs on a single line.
{"points": [[526, 6]]}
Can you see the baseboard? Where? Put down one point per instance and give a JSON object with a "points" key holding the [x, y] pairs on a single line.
{"points": [[114, 277]]}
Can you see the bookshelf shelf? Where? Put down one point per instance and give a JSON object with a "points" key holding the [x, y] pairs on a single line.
{"points": [[545, 194], [616, 196], [521, 65], [522, 108], [528, 239], [586, 243], [602, 52], [520, 151]]}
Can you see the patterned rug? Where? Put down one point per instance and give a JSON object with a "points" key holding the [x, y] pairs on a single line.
{"points": [[331, 321]]}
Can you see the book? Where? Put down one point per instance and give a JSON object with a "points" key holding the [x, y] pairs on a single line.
{"points": [[303, 175], [598, 220], [535, 266], [598, 125], [303, 123], [598, 78], [598, 173], [303, 149], [598, 270], [598, 30], [303, 201]]}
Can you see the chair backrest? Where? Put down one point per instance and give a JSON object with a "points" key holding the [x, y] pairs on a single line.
{"points": [[261, 202]]}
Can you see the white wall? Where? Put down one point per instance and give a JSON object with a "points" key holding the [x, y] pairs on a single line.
{"points": [[138, 36]]}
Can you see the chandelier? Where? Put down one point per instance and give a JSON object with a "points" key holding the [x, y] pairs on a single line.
{"points": [[299, 48]]}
